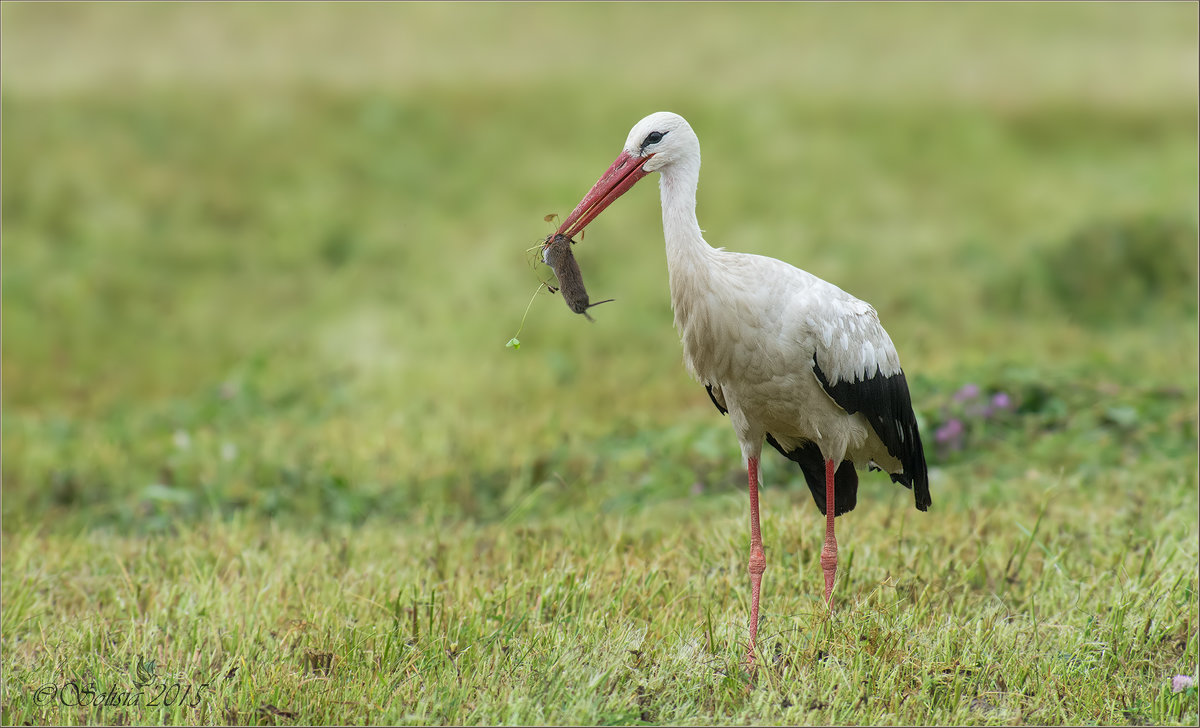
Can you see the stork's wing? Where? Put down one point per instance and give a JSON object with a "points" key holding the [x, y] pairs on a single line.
{"points": [[857, 365]]}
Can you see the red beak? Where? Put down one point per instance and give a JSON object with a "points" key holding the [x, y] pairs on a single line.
{"points": [[624, 172]]}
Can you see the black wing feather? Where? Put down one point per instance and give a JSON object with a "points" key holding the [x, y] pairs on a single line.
{"points": [[885, 402], [713, 397]]}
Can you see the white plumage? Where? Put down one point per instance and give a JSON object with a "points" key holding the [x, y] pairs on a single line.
{"points": [[794, 360], [762, 371]]}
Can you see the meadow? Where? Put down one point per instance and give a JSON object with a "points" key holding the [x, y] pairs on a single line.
{"points": [[267, 460]]}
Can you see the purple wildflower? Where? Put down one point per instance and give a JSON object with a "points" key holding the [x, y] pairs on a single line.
{"points": [[968, 391], [1179, 683], [1001, 401], [950, 433]]}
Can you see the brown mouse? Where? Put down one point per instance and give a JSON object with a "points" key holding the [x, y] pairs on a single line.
{"points": [[557, 253]]}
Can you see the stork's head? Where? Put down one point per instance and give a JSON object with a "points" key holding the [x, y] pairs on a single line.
{"points": [[662, 139], [654, 143]]}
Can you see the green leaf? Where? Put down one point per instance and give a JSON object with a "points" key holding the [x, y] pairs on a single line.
{"points": [[514, 343]]}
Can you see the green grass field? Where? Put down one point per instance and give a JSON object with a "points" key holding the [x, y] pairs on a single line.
{"points": [[262, 436]]}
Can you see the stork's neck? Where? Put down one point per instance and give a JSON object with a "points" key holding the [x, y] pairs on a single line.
{"points": [[690, 260], [686, 249], [691, 266]]}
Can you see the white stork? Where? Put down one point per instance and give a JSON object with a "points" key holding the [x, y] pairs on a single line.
{"points": [[792, 359]]}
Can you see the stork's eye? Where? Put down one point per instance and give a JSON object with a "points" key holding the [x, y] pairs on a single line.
{"points": [[653, 137]]}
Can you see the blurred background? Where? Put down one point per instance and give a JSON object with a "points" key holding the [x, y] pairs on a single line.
{"points": [[263, 259]]}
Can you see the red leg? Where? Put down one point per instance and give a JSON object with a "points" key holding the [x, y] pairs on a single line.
{"points": [[758, 560], [829, 552]]}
